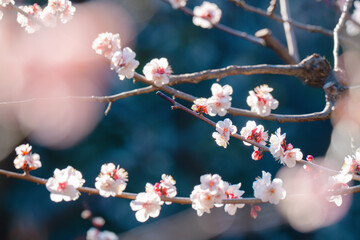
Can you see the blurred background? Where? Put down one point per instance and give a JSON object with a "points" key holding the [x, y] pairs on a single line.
{"points": [[143, 135]]}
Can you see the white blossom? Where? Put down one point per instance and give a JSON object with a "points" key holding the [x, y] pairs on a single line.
{"points": [[4, 3], [351, 163], [25, 159], [200, 105], [158, 71], [338, 182], [64, 184], [58, 9], [224, 130], [220, 100], [31, 25], [254, 132], [209, 193], [96, 234], [233, 192], [111, 181], [286, 153], [166, 187], [206, 15], [107, 44], [177, 3], [147, 205], [124, 63], [267, 190], [261, 101]]}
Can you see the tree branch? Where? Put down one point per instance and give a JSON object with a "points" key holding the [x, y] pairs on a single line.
{"points": [[306, 27], [289, 32]]}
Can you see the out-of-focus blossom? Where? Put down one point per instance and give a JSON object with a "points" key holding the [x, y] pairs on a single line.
{"points": [[261, 101], [111, 181], [206, 15], [146, 205], [352, 28], [4, 3], [58, 9], [177, 3], [338, 182], [25, 159], [267, 190], [32, 24], [220, 100], [64, 184], [158, 71], [107, 44], [96, 234], [124, 63]]}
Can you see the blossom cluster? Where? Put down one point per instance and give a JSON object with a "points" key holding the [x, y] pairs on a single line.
{"points": [[211, 192], [4, 3], [217, 104], [111, 181], [33, 17], [148, 204], [286, 153], [261, 101], [223, 131], [267, 190], [254, 132], [122, 61]]}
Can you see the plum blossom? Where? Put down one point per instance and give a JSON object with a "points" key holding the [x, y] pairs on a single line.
{"points": [[124, 63], [261, 101], [206, 15], [256, 133], [166, 187], [58, 9], [287, 154], [220, 100], [338, 182], [111, 181], [4, 3], [107, 44], [31, 25], [64, 184], [233, 192], [267, 190], [351, 28], [158, 71], [25, 159], [177, 3], [96, 234], [146, 205], [209, 193], [224, 130], [200, 105]]}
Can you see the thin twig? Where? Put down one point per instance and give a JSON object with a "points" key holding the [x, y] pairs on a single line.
{"points": [[338, 27], [177, 105], [272, 5], [289, 32], [306, 27], [229, 30]]}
